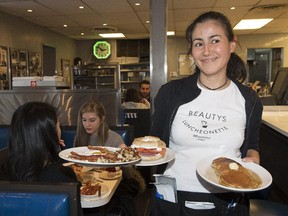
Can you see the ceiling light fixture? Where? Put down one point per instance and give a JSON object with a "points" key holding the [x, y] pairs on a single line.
{"points": [[137, 4], [81, 7], [252, 23], [147, 21], [82, 33], [112, 35], [65, 26], [29, 10], [170, 33], [233, 8]]}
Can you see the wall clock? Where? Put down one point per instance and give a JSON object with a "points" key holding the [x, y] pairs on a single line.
{"points": [[101, 50]]}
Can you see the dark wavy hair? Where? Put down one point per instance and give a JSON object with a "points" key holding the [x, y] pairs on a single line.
{"points": [[236, 68], [132, 95], [33, 140]]}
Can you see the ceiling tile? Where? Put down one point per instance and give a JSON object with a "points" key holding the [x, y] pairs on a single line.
{"points": [[130, 19]]}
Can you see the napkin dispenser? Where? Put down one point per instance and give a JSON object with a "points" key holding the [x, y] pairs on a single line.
{"points": [[166, 188]]}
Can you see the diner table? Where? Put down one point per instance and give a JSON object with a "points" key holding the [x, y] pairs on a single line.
{"points": [[110, 184], [109, 187], [105, 198]]}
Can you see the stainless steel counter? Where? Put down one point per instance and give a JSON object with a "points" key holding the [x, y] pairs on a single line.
{"points": [[274, 148]]}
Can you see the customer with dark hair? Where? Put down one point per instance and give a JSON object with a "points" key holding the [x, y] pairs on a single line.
{"points": [[210, 113], [133, 100], [34, 145], [144, 89]]}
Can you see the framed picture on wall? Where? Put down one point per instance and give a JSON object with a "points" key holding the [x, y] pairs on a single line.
{"points": [[23, 59], [185, 64], [66, 68], [14, 53], [18, 63], [35, 64], [3, 63]]}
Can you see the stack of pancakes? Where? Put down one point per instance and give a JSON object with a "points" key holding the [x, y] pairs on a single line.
{"points": [[233, 174]]}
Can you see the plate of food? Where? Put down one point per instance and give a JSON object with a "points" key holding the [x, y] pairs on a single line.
{"points": [[79, 170], [93, 191], [110, 173], [100, 156], [152, 150], [233, 174]]}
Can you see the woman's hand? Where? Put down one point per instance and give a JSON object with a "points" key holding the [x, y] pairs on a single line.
{"points": [[252, 156], [146, 102], [61, 143]]}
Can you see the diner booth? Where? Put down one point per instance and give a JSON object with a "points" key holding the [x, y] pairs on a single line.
{"points": [[68, 103]]}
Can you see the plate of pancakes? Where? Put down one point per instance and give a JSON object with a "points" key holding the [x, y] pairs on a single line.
{"points": [[233, 174]]}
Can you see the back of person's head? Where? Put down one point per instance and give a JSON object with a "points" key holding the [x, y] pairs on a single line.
{"points": [[132, 95], [33, 140], [92, 106], [236, 67]]}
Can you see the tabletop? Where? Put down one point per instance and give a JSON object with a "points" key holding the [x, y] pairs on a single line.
{"points": [[108, 185], [276, 117]]}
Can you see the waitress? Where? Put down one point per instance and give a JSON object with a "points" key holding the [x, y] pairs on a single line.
{"points": [[210, 112]]}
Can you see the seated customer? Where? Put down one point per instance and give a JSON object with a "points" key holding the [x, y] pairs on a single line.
{"points": [[144, 89], [33, 146], [133, 100], [93, 129]]}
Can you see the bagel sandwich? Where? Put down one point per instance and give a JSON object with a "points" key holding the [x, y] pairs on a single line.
{"points": [[149, 148]]}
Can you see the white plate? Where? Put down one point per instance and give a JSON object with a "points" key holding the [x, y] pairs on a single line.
{"points": [[206, 171], [104, 175], [170, 155], [83, 168], [104, 191], [85, 151]]}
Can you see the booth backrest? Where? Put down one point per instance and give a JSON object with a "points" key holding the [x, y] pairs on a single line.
{"points": [[4, 131], [69, 132], [126, 132], [37, 199], [140, 119], [33, 204]]}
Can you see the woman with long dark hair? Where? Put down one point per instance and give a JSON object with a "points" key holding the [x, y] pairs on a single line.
{"points": [[206, 114], [34, 145]]}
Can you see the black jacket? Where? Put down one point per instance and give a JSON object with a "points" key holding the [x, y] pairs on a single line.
{"points": [[177, 92]]}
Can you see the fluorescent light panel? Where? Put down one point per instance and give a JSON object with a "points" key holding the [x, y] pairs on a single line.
{"points": [[169, 33], [252, 24], [112, 35]]}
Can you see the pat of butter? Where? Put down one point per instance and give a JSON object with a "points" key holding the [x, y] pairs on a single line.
{"points": [[233, 166], [97, 153]]}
